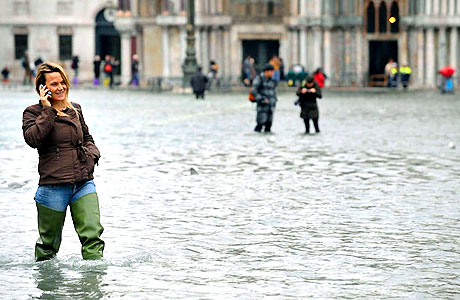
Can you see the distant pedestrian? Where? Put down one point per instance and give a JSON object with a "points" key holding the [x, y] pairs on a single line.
{"points": [[282, 74], [291, 76], [319, 77], [447, 84], [389, 73], [108, 70], [32, 70], [26, 66], [134, 71], [213, 74], [264, 91], [276, 63], [405, 72], [96, 69], [75, 66], [199, 83], [5, 74], [248, 71], [308, 92]]}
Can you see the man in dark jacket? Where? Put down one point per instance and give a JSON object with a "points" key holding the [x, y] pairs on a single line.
{"points": [[199, 82], [308, 91], [263, 89]]}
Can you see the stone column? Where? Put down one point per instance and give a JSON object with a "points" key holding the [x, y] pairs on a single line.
{"points": [[348, 54], [442, 48], [420, 57], [327, 52], [327, 7], [295, 46], [309, 49], [403, 49], [458, 7], [290, 48], [198, 45], [303, 8], [125, 57], [213, 44], [183, 42], [212, 7], [226, 54], [166, 62], [205, 49], [430, 58], [303, 46], [198, 8], [317, 59], [444, 7], [318, 8], [435, 8], [359, 59], [451, 7], [428, 7], [294, 7], [453, 47], [134, 8]]}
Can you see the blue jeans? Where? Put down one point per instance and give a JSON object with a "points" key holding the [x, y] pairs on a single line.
{"points": [[59, 196]]}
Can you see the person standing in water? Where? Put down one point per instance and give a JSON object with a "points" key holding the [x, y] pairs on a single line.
{"points": [[264, 91], [308, 92], [67, 156]]}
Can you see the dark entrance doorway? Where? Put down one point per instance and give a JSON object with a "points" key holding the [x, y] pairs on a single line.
{"points": [[379, 54], [261, 50], [107, 37]]}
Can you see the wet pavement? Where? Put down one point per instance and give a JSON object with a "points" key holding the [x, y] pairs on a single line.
{"points": [[197, 206]]}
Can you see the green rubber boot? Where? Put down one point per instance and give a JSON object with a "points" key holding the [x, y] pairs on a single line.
{"points": [[50, 224], [86, 220]]}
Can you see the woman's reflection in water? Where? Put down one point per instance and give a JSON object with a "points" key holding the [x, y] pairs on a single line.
{"points": [[58, 281]]}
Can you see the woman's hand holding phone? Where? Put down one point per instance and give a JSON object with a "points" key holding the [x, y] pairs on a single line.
{"points": [[44, 94]]}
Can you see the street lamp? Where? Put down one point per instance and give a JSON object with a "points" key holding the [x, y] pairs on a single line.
{"points": [[189, 66]]}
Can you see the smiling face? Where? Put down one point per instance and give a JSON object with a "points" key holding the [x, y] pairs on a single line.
{"points": [[56, 84]]}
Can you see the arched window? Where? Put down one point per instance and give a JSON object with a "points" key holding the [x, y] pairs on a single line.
{"points": [[371, 17], [270, 8], [383, 17], [394, 23]]}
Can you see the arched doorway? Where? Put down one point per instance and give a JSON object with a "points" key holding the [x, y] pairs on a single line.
{"points": [[107, 37]]}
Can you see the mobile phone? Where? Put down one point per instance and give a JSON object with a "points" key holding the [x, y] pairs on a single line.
{"points": [[47, 93]]}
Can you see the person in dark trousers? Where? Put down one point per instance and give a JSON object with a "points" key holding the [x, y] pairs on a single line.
{"points": [[134, 71], [308, 92], [5, 74], [25, 62], [264, 91], [97, 69], [75, 66], [108, 69], [199, 83], [67, 157]]}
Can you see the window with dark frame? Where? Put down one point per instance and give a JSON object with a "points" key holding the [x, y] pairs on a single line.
{"points": [[394, 26], [65, 47], [383, 20], [371, 17], [20, 45], [270, 8]]}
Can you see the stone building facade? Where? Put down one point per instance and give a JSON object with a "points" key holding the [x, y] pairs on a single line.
{"points": [[351, 39], [51, 29]]}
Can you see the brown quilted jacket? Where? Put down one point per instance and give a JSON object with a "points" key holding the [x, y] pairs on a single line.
{"points": [[67, 153]]}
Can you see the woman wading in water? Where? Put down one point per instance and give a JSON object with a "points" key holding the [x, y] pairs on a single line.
{"points": [[67, 155]]}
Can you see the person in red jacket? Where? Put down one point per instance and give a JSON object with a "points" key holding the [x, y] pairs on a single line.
{"points": [[319, 77]]}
